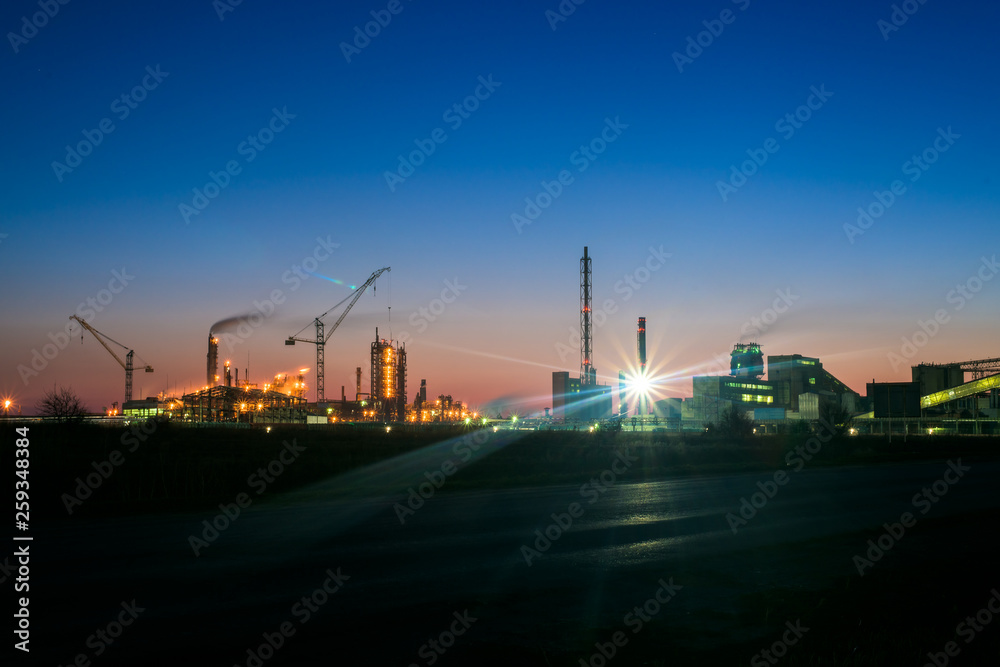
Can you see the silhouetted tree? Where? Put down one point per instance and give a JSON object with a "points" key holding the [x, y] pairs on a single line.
{"points": [[734, 423], [62, 404], [836, 416]]}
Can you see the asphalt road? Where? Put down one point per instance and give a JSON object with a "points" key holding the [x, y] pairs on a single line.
{"points": [[349, 583]]}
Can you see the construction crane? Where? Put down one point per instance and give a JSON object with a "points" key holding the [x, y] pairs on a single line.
{"points": [[321, 338], [127, 364]]}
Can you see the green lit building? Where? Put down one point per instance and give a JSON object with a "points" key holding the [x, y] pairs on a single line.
{"points": [[795, 383], [794, 375]]}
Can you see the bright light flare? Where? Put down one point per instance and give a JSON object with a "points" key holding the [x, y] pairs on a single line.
{"points": [[332, 280]]}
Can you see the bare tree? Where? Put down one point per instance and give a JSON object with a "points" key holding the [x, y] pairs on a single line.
{"points": [[733, 423], [62, 404], [837, 417]]}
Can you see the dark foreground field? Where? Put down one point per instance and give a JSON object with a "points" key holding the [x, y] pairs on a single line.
{"points": [[171, 468], [413, 541]]}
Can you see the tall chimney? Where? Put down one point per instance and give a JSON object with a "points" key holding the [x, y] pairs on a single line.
{"points": [[641, 345], [212, 371]]}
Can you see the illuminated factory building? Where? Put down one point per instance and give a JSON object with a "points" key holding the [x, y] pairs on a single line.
{"points": [[388, 378], [796, 386]]}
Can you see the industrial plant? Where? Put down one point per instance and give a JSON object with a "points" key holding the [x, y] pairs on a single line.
{"points": [[797, 389], [230, 400], [776, 391]]}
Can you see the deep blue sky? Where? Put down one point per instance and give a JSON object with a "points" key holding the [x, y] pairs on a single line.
{"points": [[655, 185]]}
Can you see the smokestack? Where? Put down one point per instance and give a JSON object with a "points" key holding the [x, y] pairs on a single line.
{"points": [[641, 345], [212, 371], [229, 375], [357, 396]]}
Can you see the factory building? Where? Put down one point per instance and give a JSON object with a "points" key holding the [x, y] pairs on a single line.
{"points": [[940, 399], [575, 402], [714, 394], [247, 405], [795, 376], [565, 392], [796, 387], [444, 409], [746, 361], [388, 378]]}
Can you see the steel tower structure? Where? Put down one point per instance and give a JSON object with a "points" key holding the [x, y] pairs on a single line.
{"points": [[588, 375]]}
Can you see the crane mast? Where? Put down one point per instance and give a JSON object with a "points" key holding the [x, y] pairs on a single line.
{"points": [[322, 336], [127, 364]]}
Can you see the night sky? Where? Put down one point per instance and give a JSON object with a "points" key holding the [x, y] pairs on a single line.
{"points": [[712, 155]]}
